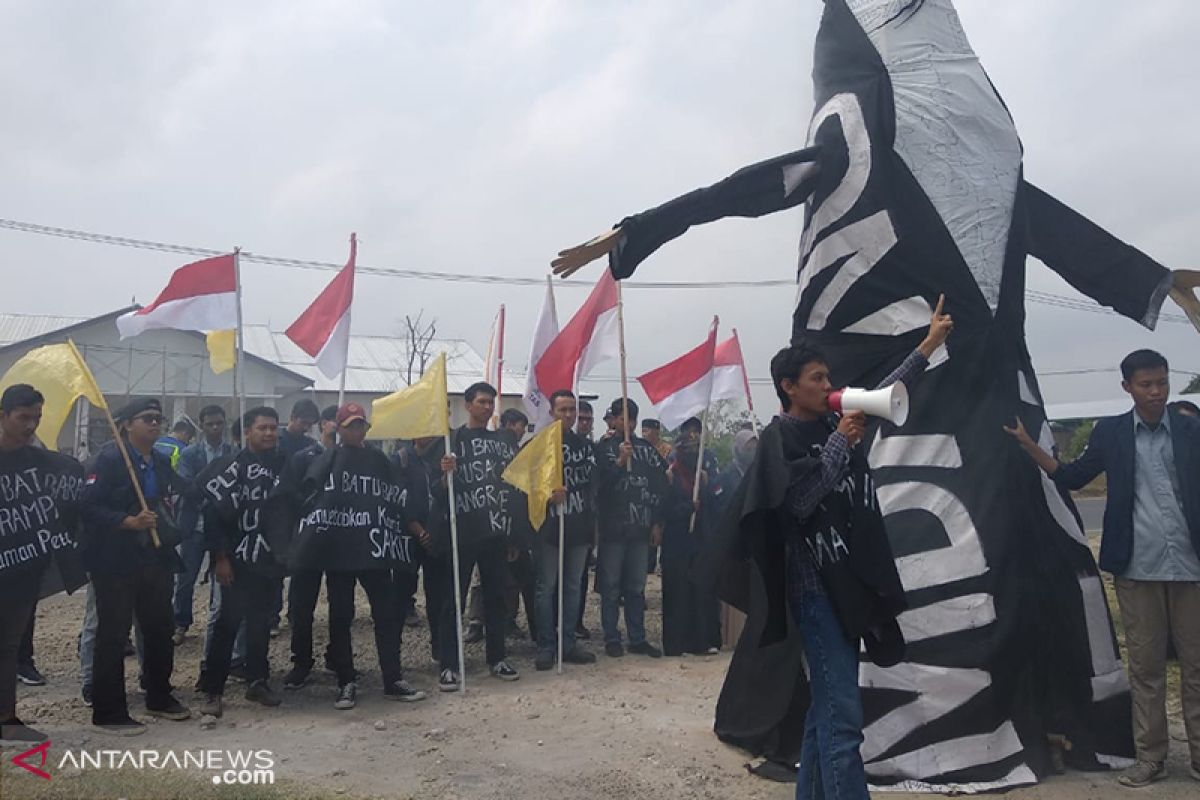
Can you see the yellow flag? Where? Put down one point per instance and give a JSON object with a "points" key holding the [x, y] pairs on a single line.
{"points": [[538, 470], [222, 350], [60, 374], [422, 409]]}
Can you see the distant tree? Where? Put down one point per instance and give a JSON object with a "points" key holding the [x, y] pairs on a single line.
{"points": [[1193, 386], [420, 336]]}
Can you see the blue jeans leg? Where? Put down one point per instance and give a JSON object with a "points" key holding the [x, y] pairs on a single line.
{"points": [[609, 558], [546, 566], [192, 554], [831, 766], [633, 589]]}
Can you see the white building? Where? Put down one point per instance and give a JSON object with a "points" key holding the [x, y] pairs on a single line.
{"points": [[173, 366]]}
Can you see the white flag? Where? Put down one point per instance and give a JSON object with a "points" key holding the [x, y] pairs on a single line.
{"points": [[537, 406]]}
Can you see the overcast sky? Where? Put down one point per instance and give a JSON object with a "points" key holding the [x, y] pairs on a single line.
{"points": [[484, 137]]}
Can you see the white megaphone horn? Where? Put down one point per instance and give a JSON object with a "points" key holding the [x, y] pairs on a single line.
{"points": [[890, 403]]}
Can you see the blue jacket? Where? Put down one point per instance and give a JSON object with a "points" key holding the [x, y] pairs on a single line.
{"points": [[108, 497], [1111, 450], [192, 463]]}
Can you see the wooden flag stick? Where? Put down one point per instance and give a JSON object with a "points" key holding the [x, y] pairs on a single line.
{"points": [[624, 373], [137, 486], [116, 432], [746, 385], [562, 544], [699, 468], [458, 626]]}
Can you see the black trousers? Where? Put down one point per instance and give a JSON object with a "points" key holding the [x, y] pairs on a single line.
{"points": [[491, 556], [249, 598], [303, 591], [385, 612], [25, 655], [18, 597], [583, 586], [523, 588], [145, 592], [691, 614], [435, 573]]}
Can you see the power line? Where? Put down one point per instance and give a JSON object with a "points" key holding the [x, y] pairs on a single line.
{"points": [[1045, 298]]}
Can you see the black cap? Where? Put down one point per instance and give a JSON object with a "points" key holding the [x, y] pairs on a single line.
{"points": [[138, 405], [652, 424]]}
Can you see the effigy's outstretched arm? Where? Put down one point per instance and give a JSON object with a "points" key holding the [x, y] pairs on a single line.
{"points": [[774, 185], [1095, 262]]}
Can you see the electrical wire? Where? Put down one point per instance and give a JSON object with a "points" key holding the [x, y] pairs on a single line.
{"points": [[1044, 298]]}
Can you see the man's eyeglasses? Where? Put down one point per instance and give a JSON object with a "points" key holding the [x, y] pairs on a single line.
{"points": [[150, 419]]}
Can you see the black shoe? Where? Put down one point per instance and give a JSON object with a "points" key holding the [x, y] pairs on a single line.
{"points": [[504, 672], [122, 727], [86, 693], [645, 649], [582, 633], [347, 697], [15, 733], [261, 692], [28, 674], [544, 661], [474, 634], [577, 655], [172, 709], [401, 690], [296, 678], [448, 681], [238, 673], [614, 650]]}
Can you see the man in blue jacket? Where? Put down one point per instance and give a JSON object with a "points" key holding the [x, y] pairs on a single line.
{"points": [[130, 575], [1151, 544]]}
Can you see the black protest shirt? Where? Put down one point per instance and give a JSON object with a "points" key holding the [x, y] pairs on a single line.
{"points": [[237, 509], [579, 462], [354, 517], [39, 510], [483, 503], [629, 501]]}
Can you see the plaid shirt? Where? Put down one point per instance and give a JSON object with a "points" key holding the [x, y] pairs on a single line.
{"points": [[806, 494]]}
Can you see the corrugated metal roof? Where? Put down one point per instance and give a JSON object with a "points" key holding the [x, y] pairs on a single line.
{"points": [[377, 364], [1089, 409], [19, 327]]}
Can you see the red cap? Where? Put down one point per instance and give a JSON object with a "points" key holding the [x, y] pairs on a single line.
{"points": [[350, 412]]}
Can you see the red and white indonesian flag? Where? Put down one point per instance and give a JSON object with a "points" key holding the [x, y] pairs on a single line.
{"points": [[730, 380], [199, 297], [323, 330], [684, 387], [589, 339], [537, 404]]}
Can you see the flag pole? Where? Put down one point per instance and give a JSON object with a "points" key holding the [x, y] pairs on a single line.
{"points": [[116, 432], [458, 626], [699, 467], [562, 543], [746, 386], [624, 373], [500, 361], [346, 354], [239, 374]]}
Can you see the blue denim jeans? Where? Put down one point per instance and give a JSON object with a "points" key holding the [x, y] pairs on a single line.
{"points": [[622, 566], [574, 562], [831, 766], [191, 551]]}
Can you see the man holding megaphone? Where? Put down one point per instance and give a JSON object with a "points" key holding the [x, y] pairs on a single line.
{"points": [[808, 502]]}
